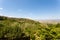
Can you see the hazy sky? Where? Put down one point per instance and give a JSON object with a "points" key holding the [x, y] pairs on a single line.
{"points": [[35, 9]]}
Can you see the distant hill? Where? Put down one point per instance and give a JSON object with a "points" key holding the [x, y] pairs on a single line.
{"points": [[55, 21]]}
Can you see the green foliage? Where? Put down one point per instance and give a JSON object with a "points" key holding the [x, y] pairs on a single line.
{"points": [[26, 29]]}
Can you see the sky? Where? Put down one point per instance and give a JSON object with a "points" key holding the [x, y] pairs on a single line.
{"points": [[33, 9]]}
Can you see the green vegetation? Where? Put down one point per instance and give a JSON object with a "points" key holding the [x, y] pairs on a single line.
{"points": [[26, 29]]}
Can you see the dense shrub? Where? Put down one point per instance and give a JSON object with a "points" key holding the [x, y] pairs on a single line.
{"points": [[25, 29]]}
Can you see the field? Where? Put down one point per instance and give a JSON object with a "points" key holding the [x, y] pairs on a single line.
{"points": [[27, 29]]}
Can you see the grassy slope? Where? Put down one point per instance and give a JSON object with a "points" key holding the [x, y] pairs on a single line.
{"points": [[15, 27]]}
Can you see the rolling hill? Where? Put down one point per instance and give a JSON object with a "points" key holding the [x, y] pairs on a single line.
{"points": [[52, 21], [27, 29]]}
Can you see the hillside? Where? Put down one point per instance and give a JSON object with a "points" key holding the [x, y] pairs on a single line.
{"points": [[27, 29]]}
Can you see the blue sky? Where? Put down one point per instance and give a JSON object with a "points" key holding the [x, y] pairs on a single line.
{"points": [[33, 9]]}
